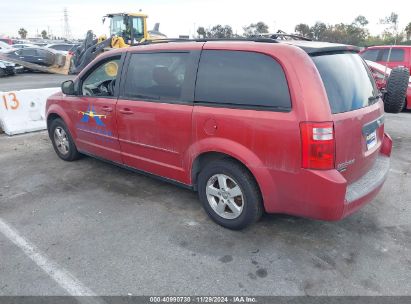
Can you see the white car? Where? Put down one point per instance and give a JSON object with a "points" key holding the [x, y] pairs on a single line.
{"points": [[60, 47]]}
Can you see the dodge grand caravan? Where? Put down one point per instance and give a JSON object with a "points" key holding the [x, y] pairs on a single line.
{"points": [[293, 127]]}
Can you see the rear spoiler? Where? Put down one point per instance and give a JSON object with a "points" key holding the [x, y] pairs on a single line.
{"points": [[314, 48], [332, 49]]}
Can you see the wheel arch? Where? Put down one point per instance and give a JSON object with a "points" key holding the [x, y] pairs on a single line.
{"points": [[245, 158], [55, 112]]}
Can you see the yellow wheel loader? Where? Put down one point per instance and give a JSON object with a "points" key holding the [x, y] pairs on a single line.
{"points": [[125, 29]]}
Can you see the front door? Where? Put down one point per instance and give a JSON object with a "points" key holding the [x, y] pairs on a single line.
{"points": [[154, 112], [93, 111]]}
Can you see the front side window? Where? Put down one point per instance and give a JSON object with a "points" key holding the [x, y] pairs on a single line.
{"points": [[156, 76], [237, 78], [118, 25], [101, 81]]}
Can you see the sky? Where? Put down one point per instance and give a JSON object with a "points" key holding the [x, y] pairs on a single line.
{"points": [[182, 17]]}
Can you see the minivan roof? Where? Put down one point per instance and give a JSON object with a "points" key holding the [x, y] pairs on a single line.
{"points": [[310, 47]]}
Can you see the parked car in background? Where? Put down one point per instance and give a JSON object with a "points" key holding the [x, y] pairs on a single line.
{"points": [[22, 45], [41, 44], [73, 49], [7, 68], [6, 40], [5, 46], [292, 127], [61, 47], [381, 75], [37, 55], [400, 55]]}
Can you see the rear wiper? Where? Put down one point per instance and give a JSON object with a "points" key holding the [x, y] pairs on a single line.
{"points": [[374, 98]]}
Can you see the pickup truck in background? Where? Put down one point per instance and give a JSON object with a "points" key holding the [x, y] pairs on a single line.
{"points": [[400, 55]]}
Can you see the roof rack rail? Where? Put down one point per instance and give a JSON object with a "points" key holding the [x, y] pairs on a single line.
{"points": [[284, 36], [166, 40]]}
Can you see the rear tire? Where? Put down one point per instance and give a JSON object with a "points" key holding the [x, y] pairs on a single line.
{"points": [[397, 84], [229, 194], [62, 141]]}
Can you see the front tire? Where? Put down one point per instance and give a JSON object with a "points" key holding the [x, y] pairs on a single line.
{"points": [[230, 194], [62, 141]]}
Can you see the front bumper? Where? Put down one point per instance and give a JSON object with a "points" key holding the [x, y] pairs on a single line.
{"points": [[9, 70]]}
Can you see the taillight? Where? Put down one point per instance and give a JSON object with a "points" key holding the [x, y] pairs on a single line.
{"points": [[318, 145]]}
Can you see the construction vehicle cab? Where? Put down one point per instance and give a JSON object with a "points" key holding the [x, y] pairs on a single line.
{"points": [[132, 27]]}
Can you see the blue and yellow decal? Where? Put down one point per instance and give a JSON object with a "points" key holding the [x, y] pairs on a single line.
{"points": [[92, 113]]}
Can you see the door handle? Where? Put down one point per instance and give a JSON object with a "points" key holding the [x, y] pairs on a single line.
{"points": [[107, 109], [126, 111]]}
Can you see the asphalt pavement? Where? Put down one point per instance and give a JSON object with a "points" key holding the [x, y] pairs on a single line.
{"points": [[88, 226], [32, 81]]}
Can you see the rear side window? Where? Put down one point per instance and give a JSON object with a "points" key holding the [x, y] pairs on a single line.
{"points": [[395, 56], [347, 81], [241, 79], [371, 55], [28, 52], [156, 76]]}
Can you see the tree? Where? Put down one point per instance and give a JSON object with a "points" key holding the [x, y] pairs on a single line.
{"points": [[303, 30], [319, 30], [408, 31], [23, 33], [219, 31], [360, 21], [392, 25], [44, 34], [201, 32], [255, 29]]}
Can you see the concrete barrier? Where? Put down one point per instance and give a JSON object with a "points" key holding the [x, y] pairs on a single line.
{"points": [[24, 111]]}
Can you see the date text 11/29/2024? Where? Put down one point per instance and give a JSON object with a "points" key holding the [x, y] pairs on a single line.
{"points": [[205, 299]]}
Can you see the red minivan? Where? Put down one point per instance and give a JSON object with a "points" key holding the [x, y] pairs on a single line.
{"points": [[293, 127]]}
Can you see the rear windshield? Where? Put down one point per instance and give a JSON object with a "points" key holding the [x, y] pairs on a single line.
{"points": [[348, 83]]}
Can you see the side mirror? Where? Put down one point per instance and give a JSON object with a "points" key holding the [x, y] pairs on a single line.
{"points": [[67, 87]]}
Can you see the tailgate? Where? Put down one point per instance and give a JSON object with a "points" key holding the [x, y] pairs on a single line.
{"points": [[358, 135], [357, 112]]}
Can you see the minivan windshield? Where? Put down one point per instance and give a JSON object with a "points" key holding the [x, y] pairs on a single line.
{"points": [[347, 81]]}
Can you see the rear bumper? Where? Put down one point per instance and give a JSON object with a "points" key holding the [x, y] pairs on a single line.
{"points": [[326, 195], [367, 187]]}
